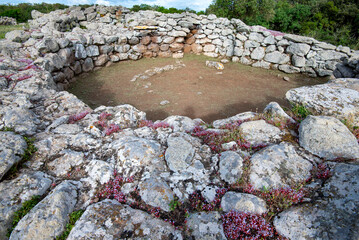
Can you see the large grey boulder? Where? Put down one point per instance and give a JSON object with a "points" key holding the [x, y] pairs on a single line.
{"points": [[48, 219], [111, 220], [259, 132], [230, 167], [205, 226], [331, 99], [334, 216], [328, 138], [278, 166], [243, 202], [14, 192], [156, 193], [12, 149]]}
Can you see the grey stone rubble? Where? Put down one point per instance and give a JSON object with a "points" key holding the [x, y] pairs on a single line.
{"points": [[77, 158], [7, 21]]}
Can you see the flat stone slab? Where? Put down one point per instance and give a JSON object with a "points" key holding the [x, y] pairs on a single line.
{"points": [[329, 138], [112, 220]]}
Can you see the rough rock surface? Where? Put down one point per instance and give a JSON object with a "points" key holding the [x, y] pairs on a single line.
{"points": [[260, 132], [243, 202], [332, 217], [14, 192], [230, 167], [327, 99], [156, 193], [205, 226], [12, 149], [326, 136], [48, 218], [278, 166], [111, 220]]}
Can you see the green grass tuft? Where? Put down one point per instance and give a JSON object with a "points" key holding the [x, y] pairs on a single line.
{"points": [[74, 216], [300, 111], [25, 208], [8, 28]]}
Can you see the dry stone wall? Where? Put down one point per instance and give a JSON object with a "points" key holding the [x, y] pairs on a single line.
{"points": [[68, 42], [156, 166]]}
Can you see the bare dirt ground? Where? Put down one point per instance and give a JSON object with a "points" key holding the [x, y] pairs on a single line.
{"points": [[195, 91]]}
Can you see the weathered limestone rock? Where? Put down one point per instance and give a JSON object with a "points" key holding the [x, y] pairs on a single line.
{"points": [[278, 166], [88, 65], [17, 36], [64, 164], [328, 138], [260, 132], [12, 149], [48, 45], [123, 115], [181, 123], [22, 120], [276, 57], [16, 191], [205, 226], [275, 110], [230, 167], [258, 53], [156, 193], [300, 49], [333, 217], [243, 202], [179, 154], [111, 220], [135, 154], [330, 99], [239, 117], [48, 218]]}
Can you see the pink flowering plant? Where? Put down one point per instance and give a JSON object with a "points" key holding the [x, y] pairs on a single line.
{"points": [[112, 189], [278, 199], [243, 225]]}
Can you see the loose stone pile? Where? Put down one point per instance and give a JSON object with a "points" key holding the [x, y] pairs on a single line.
{"points": [[7, 21], [167, 162]]}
